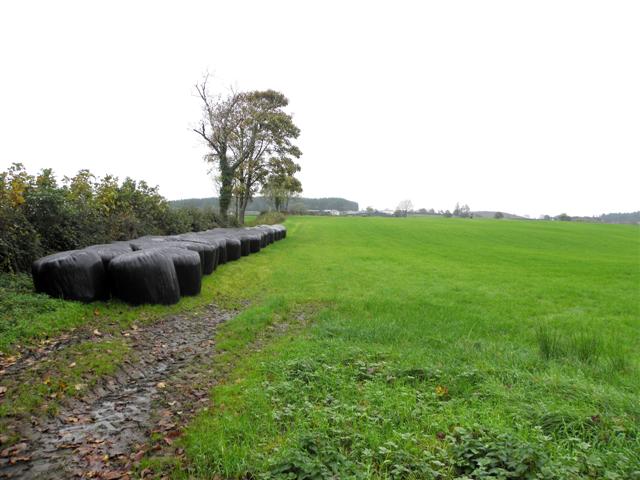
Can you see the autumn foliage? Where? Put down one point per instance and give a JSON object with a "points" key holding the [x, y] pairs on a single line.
{"points": [[40, 215]]}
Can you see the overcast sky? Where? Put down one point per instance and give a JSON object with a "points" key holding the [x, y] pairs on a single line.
{"points": [[526, 107]]}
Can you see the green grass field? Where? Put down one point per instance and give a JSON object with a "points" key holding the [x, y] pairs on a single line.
{"points": [[414, 348], [434, 348]]}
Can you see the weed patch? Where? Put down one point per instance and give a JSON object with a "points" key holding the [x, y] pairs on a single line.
{"points": [[587, 348]]}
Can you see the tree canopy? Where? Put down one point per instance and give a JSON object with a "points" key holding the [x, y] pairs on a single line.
{"points": [[250, 137]]}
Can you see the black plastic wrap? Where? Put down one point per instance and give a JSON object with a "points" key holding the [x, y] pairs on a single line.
{"points": [[188, 268], [109, 251], [72, 275], [144, 276]]}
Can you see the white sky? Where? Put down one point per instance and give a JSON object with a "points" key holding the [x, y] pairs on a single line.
{"points": [[526, 107]]}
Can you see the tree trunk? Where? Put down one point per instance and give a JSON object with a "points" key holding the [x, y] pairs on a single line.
{"points": [[243, 208], [226, 190], [246, 198]]}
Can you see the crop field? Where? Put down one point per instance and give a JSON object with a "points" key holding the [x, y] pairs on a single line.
{"points": [[406, 348], [426, 347]]}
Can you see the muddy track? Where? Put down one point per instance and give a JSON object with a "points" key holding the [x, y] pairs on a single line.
{"points": [[104, 433]]}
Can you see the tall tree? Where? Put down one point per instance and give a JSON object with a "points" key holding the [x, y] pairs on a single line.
{"points": [[281, 184], [243, 131], [220, 118], [405, 206], [264, 141]]}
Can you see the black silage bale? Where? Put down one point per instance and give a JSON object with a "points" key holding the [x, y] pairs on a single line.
{"points": [[269, 232], [268, 235], [245, 242], [211, 244], [222, 249], [283, 231], [72, 275], [216, 241], [188, 268], [206, 252], [233, 248], [109, 251], [221, 246], [264, 237], [144, 276], [255, 241], [274, 232], [230, 245]]}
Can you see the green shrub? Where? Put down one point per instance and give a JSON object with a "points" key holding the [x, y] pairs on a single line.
{"points": [[269, 218], [39, 216], [19, 241], [480, 454]]}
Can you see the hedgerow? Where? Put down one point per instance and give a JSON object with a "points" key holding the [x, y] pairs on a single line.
{"points": [[39, 215]]}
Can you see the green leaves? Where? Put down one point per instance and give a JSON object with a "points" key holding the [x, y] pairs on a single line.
{"points": [[250, 136], [38, 216]]}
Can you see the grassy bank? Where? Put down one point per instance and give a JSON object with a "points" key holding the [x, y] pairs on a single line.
{"points": [[438, 348], [31, 322]]}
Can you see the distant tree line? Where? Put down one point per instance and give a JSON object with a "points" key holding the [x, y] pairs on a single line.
{"points": [[250, 140], [39, 215], [629, 218], [262, 204], [405, 207]]}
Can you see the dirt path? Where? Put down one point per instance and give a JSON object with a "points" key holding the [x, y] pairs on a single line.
{"points": [[104, 433]]}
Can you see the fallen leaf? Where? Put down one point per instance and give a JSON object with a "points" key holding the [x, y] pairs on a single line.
{"points": [[12, 451], [96, 312], [138, 455], [10, 360], [161, 385], [79, 386], [3, 390], [441, 391], [14, 460], [174, 434], [168, 440], [97, 333], [72, 364]]}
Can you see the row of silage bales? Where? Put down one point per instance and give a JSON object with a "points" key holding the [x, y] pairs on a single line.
{"points": [[207, 253], [149, 269]]}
